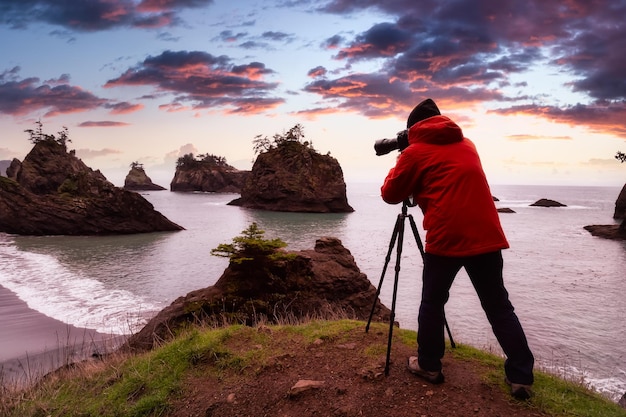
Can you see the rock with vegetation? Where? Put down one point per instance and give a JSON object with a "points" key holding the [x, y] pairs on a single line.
{"points": [[207, 173], [263, 282], [289, 175], [138, 180], [52, 192]]}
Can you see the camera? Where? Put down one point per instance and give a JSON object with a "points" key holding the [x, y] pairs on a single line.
{"points": [[384, 146]]}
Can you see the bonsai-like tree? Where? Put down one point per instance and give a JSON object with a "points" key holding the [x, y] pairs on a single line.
{"points": [[620, 156], [262, 143], [251, 246], [37, 135]]}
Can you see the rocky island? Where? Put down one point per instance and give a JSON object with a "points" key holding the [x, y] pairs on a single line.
{"points": [[289, 175], [206, 173], [265, 283], [52, 192], [138, 180]]}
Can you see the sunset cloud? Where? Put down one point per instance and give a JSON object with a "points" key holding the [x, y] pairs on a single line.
{"points": [[21, 96], [476, 47], [102, 124], [204, 81], [95, 15]]}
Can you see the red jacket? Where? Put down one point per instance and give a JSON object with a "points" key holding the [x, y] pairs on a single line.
{"points": [[441, 170]]}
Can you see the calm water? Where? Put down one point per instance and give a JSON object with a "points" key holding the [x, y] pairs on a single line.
{"points": [[566, 285]]}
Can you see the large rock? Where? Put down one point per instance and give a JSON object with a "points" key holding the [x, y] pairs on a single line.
{"points": [[52, 192], [208, 177], [293, 177], [138, 180], [323, 282]]}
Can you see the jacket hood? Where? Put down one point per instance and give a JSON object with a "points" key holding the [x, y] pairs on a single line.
{"points": [[436, 130]]}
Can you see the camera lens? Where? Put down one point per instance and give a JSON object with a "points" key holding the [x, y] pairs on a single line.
{"points": [[384, 146]]}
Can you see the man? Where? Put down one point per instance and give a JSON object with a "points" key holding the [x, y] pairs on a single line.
{"points": [[441, 170]]}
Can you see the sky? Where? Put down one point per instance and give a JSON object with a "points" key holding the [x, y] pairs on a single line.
{"points": [[539, 86]]}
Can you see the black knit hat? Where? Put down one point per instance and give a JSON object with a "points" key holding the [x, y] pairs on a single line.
{"points": [[424, 110]]}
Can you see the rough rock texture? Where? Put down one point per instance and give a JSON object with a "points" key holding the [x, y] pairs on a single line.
{"points": [[52, 192], [138, 180], [214, 179], [544, 202], [294, 177], [319, 282], [607, 231]]}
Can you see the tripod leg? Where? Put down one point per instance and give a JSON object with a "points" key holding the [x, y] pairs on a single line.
{"points": [[392, 243], [421, 248], [392, 318]]}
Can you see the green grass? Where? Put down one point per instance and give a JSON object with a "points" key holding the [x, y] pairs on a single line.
{"points": [[552, 395], [146, 384]]}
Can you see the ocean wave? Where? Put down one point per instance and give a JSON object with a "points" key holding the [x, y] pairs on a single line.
{"points": [[52, 289]]}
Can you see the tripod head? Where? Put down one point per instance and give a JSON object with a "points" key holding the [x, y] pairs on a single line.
{"points": [[408, 202]]}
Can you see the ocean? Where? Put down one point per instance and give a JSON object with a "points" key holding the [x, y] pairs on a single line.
{"points": [[566, 285]]}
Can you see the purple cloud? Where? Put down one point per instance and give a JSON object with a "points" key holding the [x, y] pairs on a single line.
{"points": [[94, 15], [28, 95], [459, 51], [201, 80]]}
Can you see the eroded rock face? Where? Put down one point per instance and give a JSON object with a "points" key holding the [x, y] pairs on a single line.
{"points": [[138, 180], [209, 179], [313, 283], [293, 177], [52, 192]]}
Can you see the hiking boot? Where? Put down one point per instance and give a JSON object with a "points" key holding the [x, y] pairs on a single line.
{"points": [[434, 377], [519, 391]]}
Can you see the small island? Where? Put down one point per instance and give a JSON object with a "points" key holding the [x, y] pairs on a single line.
{"points": [[138, 180], [290, 175], [206, 173]]}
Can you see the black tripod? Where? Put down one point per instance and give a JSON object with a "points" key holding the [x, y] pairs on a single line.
{"points": [[398, 235]]}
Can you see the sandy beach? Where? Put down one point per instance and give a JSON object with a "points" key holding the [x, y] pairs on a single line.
{"points": [[33, 344]]}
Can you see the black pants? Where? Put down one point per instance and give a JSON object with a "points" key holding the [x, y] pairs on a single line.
{"points": [[485, 272]]}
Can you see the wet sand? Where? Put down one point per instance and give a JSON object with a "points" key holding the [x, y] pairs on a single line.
{"points": [[33, 344]]}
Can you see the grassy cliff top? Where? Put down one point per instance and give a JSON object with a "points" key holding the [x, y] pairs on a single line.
{"points": [[323, 368]]}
